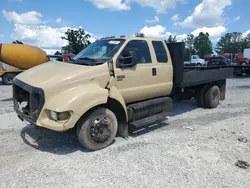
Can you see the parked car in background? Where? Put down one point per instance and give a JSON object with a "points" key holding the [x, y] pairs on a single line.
{"points": [[237, 59], [219, 60], [62, 58], [55, 58]]}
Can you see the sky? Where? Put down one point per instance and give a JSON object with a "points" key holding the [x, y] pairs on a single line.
{"points": [[42, 22]]}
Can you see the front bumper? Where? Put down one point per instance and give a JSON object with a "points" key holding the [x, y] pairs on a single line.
{"points": [[35, 111]]}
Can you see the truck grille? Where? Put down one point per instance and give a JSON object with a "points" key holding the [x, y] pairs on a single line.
{"points": [[28, 101]]}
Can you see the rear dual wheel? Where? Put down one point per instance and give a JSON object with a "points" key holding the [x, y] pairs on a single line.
{"points": [[208, 97]]}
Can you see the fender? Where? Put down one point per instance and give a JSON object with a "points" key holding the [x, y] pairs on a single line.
{"points": [[123, 124], [79, 99], [115, 94]]}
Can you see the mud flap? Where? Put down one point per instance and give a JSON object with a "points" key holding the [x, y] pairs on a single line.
{"points": [[222, 86]]}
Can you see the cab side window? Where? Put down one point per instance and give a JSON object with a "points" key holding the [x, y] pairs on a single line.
{"points": [[140, 49], [160, 52]]}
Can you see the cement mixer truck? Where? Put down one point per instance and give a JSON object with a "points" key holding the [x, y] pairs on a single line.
{"points": [[17, 58]]}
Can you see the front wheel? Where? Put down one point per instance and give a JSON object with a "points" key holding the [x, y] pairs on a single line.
{"points": [[8, 78], [98, 129]]}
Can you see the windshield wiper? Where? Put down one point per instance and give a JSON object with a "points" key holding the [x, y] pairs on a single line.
{"points": [[87, 58]]}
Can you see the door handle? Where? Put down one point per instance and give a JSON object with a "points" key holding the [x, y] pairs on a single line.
{"points": [[154, 71]]}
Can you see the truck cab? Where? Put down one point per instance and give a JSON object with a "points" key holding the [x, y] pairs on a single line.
{"points": [[196, 61], [114, 86]]}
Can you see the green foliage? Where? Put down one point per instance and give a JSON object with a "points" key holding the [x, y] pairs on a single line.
{"points": [[189, 42], [77, 41], [58, 53], [202, 44], [139, 34], [233, 43], [189, 47], [171, 39], [17, 42]]}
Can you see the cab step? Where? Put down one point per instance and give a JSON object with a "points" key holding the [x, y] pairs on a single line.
{"points": [[147, 122]]}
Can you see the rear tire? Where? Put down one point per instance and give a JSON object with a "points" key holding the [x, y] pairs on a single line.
{"points": [[200, 96], [8, 78], [178, 96], [212, 97], [98, 129]]}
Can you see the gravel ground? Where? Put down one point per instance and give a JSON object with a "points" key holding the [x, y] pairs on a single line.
{"points": [[198, 148]]}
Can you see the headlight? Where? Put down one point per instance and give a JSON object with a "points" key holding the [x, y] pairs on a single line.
{"points": [[54, 115], [59, 116]]}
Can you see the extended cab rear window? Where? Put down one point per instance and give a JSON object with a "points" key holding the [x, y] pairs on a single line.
{"points": [[160, 52]]}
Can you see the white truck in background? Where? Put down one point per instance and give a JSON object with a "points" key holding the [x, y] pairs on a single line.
{"points": [[247, 53], [195, 61]]}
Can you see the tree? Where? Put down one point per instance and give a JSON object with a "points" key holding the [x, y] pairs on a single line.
{"points": [[202, 44], [246, 42], [189, 41], [139, 34], [189, 47], [17, 42], [247, 38], [77, 41], [233, 43], [58, 53], [171, 39]]}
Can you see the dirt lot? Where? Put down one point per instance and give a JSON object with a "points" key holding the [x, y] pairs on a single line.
{"points": [[198, 148]]}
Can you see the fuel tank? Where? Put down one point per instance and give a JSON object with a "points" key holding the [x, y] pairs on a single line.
{"points": [[22, 56]]}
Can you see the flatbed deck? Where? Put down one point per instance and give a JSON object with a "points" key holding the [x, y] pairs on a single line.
{"points": [[237, 69], [196, 76], [188, 76]]}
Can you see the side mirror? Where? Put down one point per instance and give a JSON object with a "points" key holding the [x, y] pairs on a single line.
{"points": [[127, 59]]}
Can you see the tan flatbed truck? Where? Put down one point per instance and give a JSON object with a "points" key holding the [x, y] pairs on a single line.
{"points": [[114, 86]]}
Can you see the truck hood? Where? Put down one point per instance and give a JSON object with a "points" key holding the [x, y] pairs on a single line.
{"points": [[55, 76]]}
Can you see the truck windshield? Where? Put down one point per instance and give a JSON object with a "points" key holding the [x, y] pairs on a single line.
{"points": [[100, 50]]}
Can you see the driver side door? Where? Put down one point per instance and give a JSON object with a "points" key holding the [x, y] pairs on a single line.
{"points": [[137, 83]]}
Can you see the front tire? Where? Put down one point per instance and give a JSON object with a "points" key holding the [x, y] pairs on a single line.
{"points": [[98, 129], [8, 78]]}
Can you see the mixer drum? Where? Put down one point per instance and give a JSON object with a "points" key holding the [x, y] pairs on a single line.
{"points": [[22, 56]]}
